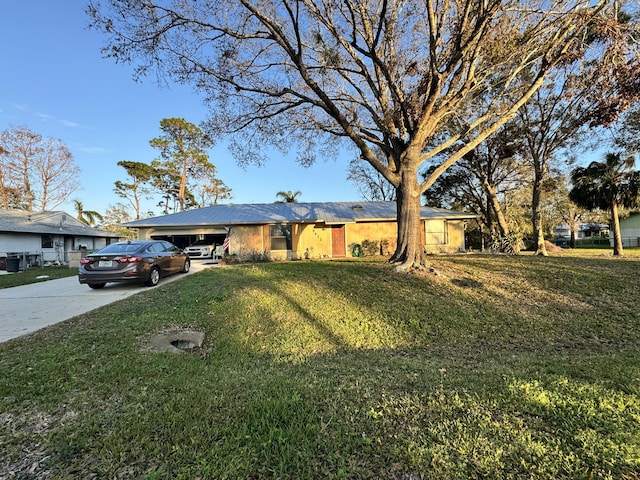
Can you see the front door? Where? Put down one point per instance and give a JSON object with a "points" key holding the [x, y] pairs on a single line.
{"points": [[337, 241]]}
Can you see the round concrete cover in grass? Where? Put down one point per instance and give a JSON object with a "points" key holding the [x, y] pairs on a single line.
{"points": [[175, 341]]}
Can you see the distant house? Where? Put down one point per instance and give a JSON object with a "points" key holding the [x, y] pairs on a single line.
{"points": [[41, 237], [630, 231], [585, 230], [304, 230]]}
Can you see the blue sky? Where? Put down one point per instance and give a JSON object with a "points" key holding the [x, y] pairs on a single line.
{"points": [[55, 82]]}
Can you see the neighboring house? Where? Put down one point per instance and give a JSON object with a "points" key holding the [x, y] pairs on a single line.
{"points": [[41, 237], [630, 231], [303, 230], [585, 230]]}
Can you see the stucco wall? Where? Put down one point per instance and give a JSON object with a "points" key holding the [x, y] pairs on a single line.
{"points": [[357, 233], [312, 238], [444, 236], [249, 240]]}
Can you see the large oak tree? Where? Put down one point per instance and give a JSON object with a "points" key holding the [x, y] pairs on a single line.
{"points": [[383, 75]]}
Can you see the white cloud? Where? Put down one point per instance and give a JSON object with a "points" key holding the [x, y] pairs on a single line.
{"points": [[44, 116], [69, 123]]}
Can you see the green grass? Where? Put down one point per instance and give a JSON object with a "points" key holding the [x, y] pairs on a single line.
{"points": [[31, 276], [492, 367], [600, 251]]}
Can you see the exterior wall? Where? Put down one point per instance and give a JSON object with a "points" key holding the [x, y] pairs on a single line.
{"points": [[444, 236], [89, 243], [247, 240], [311, 241], [357, 233], [456, 236], [315, 241], [629, 231], [30, 245], [19, 242], [631, 222], [144, 233]]}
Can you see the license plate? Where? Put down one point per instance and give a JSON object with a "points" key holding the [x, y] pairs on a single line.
{"points": [[104, 263]]}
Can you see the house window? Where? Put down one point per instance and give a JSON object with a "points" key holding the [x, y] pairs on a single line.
{"points": [[46, 241], [436, 233], [280, 237]]}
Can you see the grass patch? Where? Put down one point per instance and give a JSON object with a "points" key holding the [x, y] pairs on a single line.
{"points": [[31, 276], [493, 367]]}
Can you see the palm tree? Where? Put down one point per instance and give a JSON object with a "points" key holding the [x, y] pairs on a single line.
{"points": [[88, 217], [288, 196], [607, 185]]}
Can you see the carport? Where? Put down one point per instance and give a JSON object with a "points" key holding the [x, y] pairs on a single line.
{"points": [[183, 238]]}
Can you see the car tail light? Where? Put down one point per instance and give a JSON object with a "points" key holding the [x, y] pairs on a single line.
{"points": [[130, 259], [85, 261]]}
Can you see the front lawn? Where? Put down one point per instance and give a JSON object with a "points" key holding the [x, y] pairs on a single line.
{"points": [[35, 275], [488, 367]]}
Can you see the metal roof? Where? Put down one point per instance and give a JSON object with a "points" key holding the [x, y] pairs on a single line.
{"points": [[270, 213], [52, 222]]}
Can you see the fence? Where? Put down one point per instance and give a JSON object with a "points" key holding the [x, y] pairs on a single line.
{"points": [[15, 261], [600, 242], [631, 241]]}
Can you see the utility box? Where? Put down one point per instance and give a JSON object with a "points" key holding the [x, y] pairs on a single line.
{"points": [[74, 258]]}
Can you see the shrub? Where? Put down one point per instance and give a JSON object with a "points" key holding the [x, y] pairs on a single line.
{"points": [[371, 247]]}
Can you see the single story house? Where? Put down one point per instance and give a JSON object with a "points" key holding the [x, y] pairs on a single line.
{"points": [[303, 230], [37, 238], [585, 230], [629, 231]]}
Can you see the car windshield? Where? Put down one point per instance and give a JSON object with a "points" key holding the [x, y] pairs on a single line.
{"points": [[120, 248], [197, 243]]}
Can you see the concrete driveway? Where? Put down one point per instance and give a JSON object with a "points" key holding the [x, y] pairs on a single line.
{"points": [[28, 308]]}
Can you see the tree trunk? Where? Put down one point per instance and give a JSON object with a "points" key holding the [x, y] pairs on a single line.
{"points": [[136, 205], [536, 210], [574, 226], [409, 250], [494, 203], [183, 183], [615, 223], [28, 194]]}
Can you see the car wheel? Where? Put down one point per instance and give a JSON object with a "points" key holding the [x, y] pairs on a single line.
{"points": [[187, 266], [154, 277], [97, 285]]}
